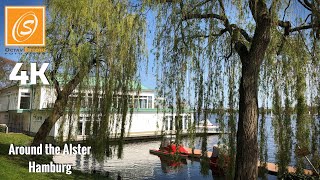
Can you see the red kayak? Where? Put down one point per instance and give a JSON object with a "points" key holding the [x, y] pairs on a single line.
{"points": [[167, 153], [173, 149]]}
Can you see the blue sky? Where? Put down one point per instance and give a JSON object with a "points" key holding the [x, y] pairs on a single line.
{"points": [[148, 78]]}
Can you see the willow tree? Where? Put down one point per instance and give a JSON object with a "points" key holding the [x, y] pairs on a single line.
{"points": [[92, 46], [212, 48], [5, 66]]}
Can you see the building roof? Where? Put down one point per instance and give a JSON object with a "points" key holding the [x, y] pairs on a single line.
{"points": [[91, 82]]}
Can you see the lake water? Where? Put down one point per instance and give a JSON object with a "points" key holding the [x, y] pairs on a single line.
{"points": [[138, 163]]}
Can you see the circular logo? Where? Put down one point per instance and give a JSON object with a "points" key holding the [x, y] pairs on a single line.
{"points": [[24, 27]]}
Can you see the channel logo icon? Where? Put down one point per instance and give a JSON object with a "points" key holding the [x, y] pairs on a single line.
{"points": [[25, 26]]}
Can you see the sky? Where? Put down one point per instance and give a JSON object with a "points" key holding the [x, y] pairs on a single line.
{"points": [[146, 73]]}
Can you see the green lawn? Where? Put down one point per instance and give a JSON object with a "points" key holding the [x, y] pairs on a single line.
{"points": [[16, 167]]}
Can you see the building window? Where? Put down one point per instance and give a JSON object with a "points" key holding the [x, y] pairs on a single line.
{"points": [[38, 118], [115, 101], [73, 99], [171, 122], [136, 102], [79, 128], [83, 100], [87, 130], [143, 102], [100, 103], [149, 101], [166, 123], [189, 122], [130, 102], [25, 101], [89, 99]]}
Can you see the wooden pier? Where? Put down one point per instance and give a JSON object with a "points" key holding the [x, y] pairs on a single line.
{"points": [[271, 167]]}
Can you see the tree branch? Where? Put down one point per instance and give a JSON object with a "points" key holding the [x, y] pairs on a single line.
{"points": [[245, 35], [200, 4], [222, 31], [222, 18], [241, 50], [304, 5], [287, 26], [303, 27], [72, 84], [258, 10], [203, 16]]}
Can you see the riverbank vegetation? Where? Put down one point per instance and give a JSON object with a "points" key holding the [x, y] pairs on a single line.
{"points": [[16, 167]]}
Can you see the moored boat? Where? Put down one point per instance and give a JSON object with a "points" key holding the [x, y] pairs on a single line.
{"points": [[206, 125]]}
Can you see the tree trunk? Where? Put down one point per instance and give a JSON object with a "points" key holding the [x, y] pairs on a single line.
{"points": [[49, 122], [247, 143], [247, 134], [60, 103]]}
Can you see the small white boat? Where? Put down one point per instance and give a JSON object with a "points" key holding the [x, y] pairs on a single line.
{"points": [[210, 128]]}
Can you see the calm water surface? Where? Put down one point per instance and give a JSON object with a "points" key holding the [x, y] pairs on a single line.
{"points": [[138, 163]]}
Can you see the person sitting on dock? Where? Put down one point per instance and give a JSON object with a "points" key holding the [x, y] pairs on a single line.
{"points": [[165, 145], [215, 154], [216, 170]]}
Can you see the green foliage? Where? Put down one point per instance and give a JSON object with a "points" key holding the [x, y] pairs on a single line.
{"points": [[16, 167], [94, 49], [197, 62]]}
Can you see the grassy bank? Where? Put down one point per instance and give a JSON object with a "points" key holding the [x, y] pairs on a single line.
{"points": [[16, 167]]}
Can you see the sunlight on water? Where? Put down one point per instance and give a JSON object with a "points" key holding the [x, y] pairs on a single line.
{"points": [[138, 163]]}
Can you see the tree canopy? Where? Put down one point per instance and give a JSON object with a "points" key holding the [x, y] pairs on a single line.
{"points": [[236, 55], [92, 46], [5, 66]]}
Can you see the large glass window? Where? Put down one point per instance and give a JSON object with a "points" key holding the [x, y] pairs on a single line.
{"points": [[189, 122], [136, 102], [149, 101], [143, 101], [171, 122], [166, 123]]}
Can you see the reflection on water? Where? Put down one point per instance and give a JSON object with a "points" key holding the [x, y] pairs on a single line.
{"points": [[138, 163]]}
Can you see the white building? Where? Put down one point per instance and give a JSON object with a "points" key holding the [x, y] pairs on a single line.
{"points": [[23, 108]]}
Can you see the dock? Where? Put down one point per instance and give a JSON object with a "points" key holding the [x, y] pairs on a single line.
{"points": [[271, 167], [147, 135]]}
